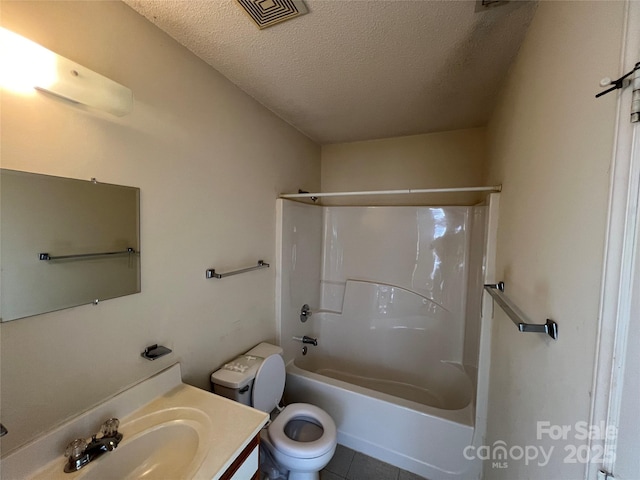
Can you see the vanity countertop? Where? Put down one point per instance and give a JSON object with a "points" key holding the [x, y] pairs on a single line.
{"points": [[203, 435]]}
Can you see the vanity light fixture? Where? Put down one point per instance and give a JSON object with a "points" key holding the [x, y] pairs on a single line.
{"points": [[25, 66]]}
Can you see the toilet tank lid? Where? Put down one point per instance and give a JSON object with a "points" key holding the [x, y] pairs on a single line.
{"points": [[237, 373]]}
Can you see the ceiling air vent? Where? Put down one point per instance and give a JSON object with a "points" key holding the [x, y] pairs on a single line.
{"points": [[269, 12], [482, 5]]}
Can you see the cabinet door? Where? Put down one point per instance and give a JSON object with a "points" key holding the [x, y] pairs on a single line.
{"points": [[245, 466], [248, 469]]}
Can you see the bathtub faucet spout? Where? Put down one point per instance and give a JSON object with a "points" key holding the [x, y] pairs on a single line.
{"points": [[312, 341], [309, 340]]}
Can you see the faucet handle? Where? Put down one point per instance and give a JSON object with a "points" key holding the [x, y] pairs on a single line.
{"points": [[76, 449], [110, 428], [305, 313]]}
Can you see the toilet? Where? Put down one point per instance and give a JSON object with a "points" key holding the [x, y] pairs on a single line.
{"points": [[302, 438]]}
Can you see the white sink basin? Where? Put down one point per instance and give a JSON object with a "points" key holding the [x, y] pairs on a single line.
{"points": [[170, 431], [168, 451], [155, 447]]}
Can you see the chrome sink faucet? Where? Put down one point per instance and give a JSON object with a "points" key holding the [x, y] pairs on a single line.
{"points": [[80, 453]]}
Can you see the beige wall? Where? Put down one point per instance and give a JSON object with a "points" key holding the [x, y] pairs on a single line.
{"points": [[551, 146], [210, 162], [434, 160]]}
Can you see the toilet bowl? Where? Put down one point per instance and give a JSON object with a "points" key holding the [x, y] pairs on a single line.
{"points": [[301, 438]]}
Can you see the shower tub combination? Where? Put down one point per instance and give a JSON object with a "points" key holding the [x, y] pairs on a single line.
{"points": [[395, 294]]}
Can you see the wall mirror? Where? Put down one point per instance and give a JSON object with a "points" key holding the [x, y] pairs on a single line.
{"points": [[65, 242]]}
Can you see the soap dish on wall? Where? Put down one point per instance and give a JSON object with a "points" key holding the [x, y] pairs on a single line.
{"points": [[155, 351]]}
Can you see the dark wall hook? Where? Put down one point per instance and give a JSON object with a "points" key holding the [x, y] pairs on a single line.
{"points": [[619, 83]]}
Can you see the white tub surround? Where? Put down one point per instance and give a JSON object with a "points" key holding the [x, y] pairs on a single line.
{"points": [[395, 295], [392, 341], [211, 429]]}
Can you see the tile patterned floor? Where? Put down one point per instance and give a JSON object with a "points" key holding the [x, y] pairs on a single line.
{"points": [[348, 464]]}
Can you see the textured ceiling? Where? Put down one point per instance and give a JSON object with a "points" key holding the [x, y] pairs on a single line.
{"points": [[358, 69]]}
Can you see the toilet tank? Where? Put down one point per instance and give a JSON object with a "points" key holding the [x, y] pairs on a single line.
{"points": [[234, 379]]}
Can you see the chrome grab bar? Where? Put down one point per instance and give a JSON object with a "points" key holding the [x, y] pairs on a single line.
{"points": [[211, 273], [496, 290], [46, 256]]}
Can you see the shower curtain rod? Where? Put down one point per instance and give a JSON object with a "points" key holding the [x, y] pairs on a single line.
{"points": [[491, 188]]}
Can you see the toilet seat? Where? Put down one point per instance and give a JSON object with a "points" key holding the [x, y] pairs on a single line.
{"points": [[297, 449]]}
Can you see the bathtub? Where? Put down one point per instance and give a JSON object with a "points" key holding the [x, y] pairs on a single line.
{"points": [[375, 417], [380, 371]]}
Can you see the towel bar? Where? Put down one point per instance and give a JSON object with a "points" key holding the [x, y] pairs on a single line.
{"points": [[211, 273], [515, 314], [46, 256]]}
